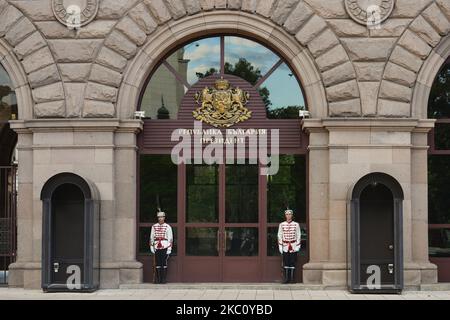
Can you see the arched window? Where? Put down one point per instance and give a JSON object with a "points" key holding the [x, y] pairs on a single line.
{"points": [[267, 72], [8, 111], [439, 173]]}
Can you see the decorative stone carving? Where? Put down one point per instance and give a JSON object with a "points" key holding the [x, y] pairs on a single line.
{"points": [[369, 12], [75, 13]]}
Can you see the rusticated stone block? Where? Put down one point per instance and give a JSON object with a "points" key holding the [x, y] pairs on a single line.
{"points": [[44, 76], [159, 10], [74, 50], [339, 74], [132, 31], [400, 75], [98, 109], [297, 18], [142, 17], [105, 76], [111, 59], [348, 108], [322, 43], [55, 109], [19, 32], [30, 44], [425, 31], [176, 8], [393, 91], [96, 91], [37, 60], [118, 42], [310, 30], [282, 10]]}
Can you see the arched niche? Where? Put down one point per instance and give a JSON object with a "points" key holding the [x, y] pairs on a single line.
{"points": [[70, 234], [375, 235]]}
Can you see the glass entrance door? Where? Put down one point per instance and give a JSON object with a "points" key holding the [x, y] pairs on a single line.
{"points": [[222, 223], [224, 217]]}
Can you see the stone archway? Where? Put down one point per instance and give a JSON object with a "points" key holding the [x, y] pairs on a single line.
{"points": [[152, 28], [411, 68]]}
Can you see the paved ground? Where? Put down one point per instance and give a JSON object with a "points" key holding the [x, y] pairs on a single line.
{"points": [[220, 294]]}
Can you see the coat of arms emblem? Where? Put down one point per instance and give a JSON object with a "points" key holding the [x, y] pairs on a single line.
{"points": [[222, 106]]}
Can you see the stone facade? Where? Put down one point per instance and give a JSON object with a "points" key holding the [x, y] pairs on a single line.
{"points": [[78, 89]]}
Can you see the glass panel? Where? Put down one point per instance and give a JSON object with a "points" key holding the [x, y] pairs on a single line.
{"points": [[439, 242], [162, 96], [282, 94], [198, 59], [144, 239], [287, 189], [241, 194], [8, 102], [158, 187], [240, 53], [439, 102], [272, 242], [442, 136], [202, 194], [202, 242], [439, 189], [241, 242]]}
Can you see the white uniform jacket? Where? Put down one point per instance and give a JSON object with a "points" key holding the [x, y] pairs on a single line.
{"points": [[289, 237], [161, 237]]}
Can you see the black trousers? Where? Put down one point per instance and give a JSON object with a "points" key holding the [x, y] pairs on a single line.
{"points": [[161, 258], [289, 259]]}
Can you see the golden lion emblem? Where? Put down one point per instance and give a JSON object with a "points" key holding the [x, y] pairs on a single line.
{"points": [[222, 106]]}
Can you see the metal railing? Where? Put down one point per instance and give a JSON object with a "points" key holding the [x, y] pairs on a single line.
{"points": [[8, 219]]}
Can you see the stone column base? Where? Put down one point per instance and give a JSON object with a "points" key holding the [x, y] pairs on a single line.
{"points": [[25, 275], [327, 274], [114, 274], [335, 274], [416, 274]]}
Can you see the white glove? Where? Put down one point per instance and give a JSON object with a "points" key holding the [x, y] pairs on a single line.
{"points": [[280, 248], [152, 249], [169, 251]]}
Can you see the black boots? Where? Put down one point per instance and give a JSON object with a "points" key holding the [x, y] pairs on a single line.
{"points": [[160, 276], [289, 275], [163, 275], [292, 275], [286, 275]]}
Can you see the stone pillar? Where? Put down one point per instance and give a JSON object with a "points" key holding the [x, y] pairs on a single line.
{"points": [[123, 268], [26, 271], [100, 150], [341, 152], [318, 203]]}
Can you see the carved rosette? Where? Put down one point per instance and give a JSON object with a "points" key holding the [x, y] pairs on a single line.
{"points": [[369, 12], [75, 13]]}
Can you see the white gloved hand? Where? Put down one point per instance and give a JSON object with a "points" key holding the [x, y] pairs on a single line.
{"points": [[169, 251], [280, 248], [152, 249]]}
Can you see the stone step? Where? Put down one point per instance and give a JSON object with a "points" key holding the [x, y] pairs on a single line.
{"points": [[232, 286], [435, 287]]}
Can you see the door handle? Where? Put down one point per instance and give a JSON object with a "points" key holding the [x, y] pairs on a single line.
{"points": [[391, 247], [56, 267], [224, 241], [391, 268], [218, 242]]}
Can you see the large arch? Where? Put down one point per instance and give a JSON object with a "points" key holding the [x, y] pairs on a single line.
{"points": [[151, 28], [27, 57], [19, 80], [414, 63], [427, 76]]}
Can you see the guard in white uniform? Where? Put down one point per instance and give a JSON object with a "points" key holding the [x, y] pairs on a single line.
{"points": [[161, 242], [289, 244]]}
